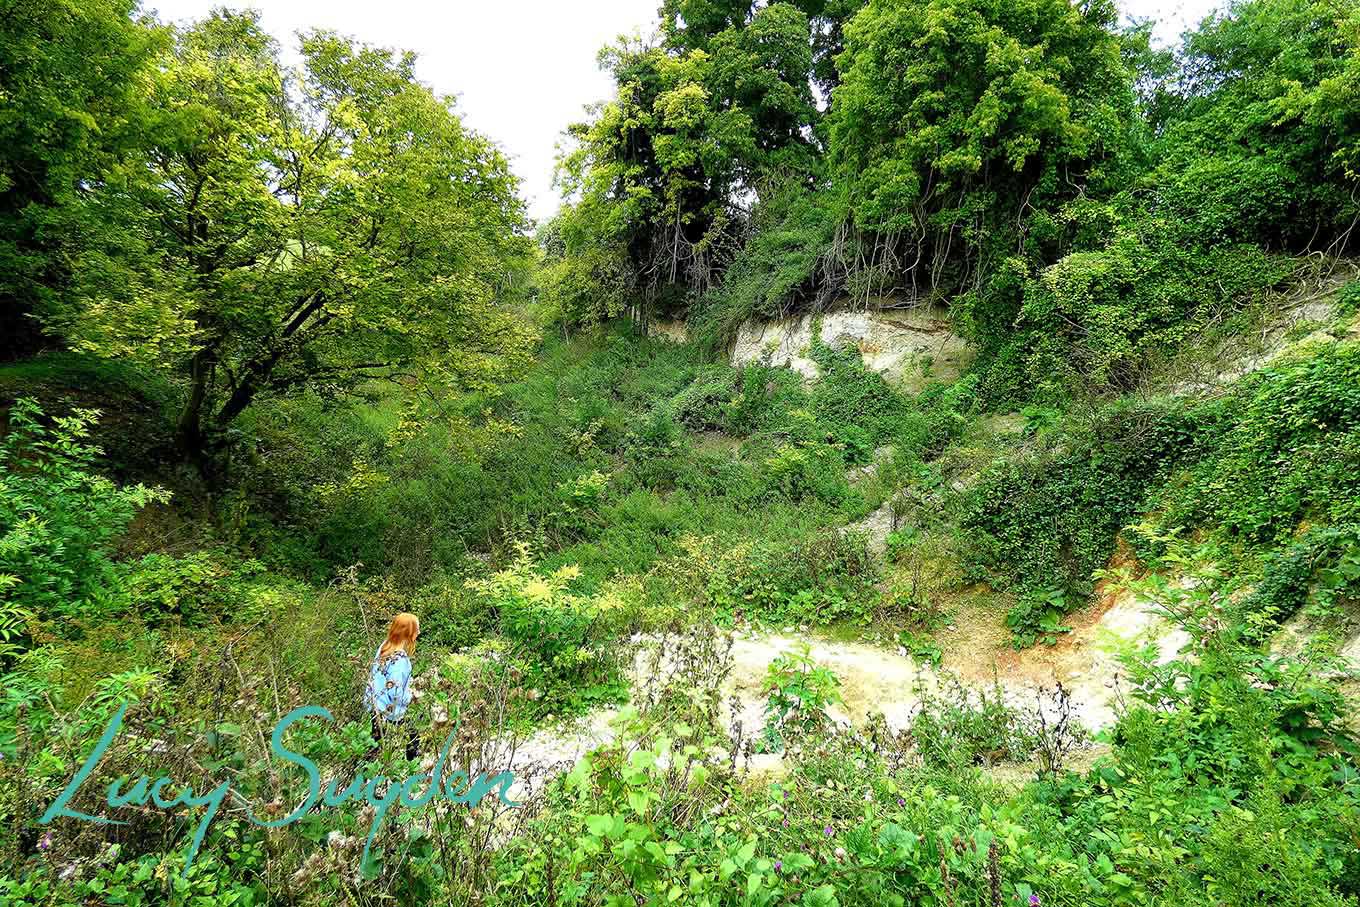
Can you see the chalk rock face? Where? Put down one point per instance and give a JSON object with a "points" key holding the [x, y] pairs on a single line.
{"points": [[907, 346], [674, 331]]}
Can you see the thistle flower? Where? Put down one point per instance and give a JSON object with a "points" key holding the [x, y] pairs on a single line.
{"points": [[778, 865]]}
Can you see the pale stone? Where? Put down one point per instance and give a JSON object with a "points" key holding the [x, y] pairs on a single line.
{"points": [[909, 347]]}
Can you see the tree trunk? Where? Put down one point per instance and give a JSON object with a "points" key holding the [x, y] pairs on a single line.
{"points": [[190, 439]]}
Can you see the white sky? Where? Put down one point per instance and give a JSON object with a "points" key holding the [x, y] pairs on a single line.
{"points": [[521, 69]]}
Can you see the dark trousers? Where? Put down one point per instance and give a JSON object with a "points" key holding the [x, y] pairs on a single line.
{"points": [[382, 728]]}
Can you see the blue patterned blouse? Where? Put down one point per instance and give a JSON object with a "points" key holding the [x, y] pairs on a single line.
{"points": [[389, 685]]}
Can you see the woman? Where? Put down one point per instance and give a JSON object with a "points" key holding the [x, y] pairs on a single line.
{"points": [[390, 689]]}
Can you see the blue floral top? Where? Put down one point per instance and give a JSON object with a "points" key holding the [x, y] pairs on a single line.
{"points": [[389, 686]]}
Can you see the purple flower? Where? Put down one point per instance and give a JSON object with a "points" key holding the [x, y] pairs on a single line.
{"points": [[829, 832], [786, 823], [778, 865], [45, 843], [1034, 900], [901, 802]]}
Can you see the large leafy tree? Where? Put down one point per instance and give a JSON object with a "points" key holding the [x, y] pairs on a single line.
{"points": [[663, 175], [958, 121], [70, 106], [697, 24], [301, 229], [1262, 137]]}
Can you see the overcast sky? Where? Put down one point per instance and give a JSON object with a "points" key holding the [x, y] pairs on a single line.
{"points": [[521, 69]]}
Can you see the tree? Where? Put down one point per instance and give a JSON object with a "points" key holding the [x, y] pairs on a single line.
{"points": [[957, 122], [695, 24], [302, 229], [69, 106], [701, 126], [1263, 141]]}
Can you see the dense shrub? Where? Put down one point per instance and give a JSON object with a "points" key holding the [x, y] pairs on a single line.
{"points": [[1050, 518], [1348, 300], [58, 520], [819, 580], [704, 404], [1321, 566], [562, 636], [1284, 448], [1099, 318], [849, 394]]}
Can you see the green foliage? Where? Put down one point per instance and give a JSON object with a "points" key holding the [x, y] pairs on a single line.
{"points": [[321, 264], [1262, 139], [797, 693], [655, 172], [921, 647], [69, 74], [807, 470], [1099, 318], [201, 587], [262, 207], [583, 279], [826, 578], [1283, 448], [850, 394], [1158, 815], [1049, 519], [958, 726], [58, 520], [962, 117], [1038, 616], [1248, 467], [787, 263], [767, 396], [704, 404], [560, 633], [1348, 300]]}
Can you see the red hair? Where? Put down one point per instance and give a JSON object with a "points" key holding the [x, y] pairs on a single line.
{"points": [[401, 634]]}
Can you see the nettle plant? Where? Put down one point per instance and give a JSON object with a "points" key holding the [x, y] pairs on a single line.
{"points": [[798, 692]]}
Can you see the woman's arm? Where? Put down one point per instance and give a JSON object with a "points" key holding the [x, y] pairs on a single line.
{"points": [[401, 693]]}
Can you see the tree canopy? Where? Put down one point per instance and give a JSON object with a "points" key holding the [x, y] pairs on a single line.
{"points": [[70, 85], [287, 229], [1064, 187]]}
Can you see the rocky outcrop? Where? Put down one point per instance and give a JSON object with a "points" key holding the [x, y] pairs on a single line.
{"points": [[876, 527], [674, 331], [909, 346]]}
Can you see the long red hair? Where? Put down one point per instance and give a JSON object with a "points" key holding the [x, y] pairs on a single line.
{"points": [[401, 634]]}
